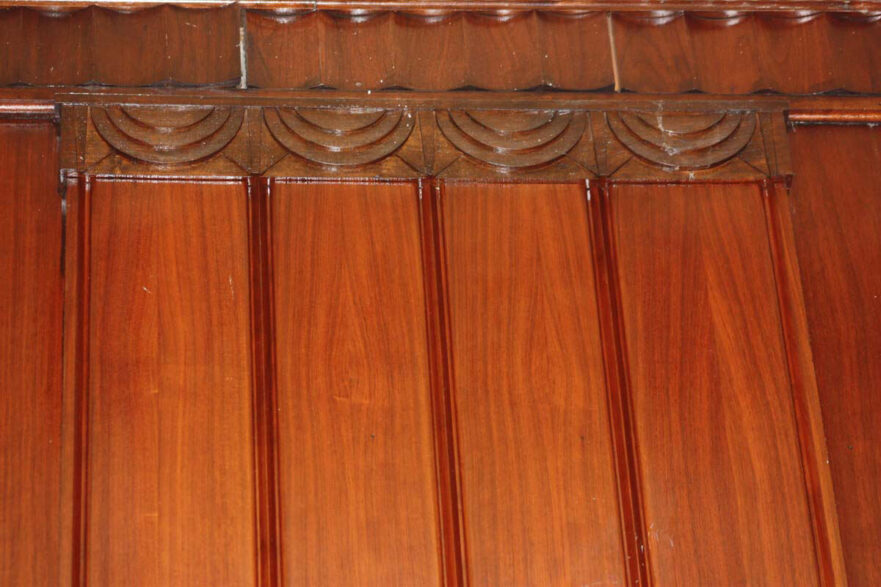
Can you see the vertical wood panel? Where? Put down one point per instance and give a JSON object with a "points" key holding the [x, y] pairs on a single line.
{"points": [[30, 355], [724, 493], [539, 489], [837, 222], [358, 484], [170, 465]]}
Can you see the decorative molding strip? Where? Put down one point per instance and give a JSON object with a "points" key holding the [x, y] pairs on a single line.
{"points": [[560, 141], [167, 136]]}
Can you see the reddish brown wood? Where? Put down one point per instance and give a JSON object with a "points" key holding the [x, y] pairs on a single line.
{"points": [[264, 386], [437, 307], [837, 222], [538, 475], [30, 356], [158, 45], [723, 488], [359, 487], [743, 53], [617, 384], [170, 462], [355, 51]]}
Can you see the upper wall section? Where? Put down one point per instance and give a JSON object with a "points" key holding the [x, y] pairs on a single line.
{"points": [[742, 47]]}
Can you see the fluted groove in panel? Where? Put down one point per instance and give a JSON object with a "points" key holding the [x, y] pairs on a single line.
{"points": [[442, 385], [624, 441], [264, 386]]}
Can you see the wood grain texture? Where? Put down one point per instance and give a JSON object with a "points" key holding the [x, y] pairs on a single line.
{"points": [[170, 459], [358, 482], [159, 45], [737, 53], [837, 221], [30, 356], [724, 494], [539, 489], [371, 51]]}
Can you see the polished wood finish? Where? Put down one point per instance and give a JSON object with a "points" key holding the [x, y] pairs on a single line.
{"points": [[30, 356], [162, 45], [529, 388], [837, 221], [722, 481], [169, 489], [359, 501], [731, 53]]}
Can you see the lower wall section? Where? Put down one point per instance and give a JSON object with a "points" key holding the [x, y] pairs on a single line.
{"points": [[168, 461], [357, 469], [837, 213], [30, 356], [724, 492], [538, 483]]}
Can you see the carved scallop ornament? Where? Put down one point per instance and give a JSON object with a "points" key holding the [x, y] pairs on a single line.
{"points": [[514, 139], [683, 141], [168, 135], [340, 137]]}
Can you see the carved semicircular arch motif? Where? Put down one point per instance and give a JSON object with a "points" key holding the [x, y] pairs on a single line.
{"points": [[684, 141], [513, 139], [168, 136], [340, 137]]}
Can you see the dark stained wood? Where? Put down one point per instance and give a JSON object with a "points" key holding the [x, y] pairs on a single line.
{"points": [[724, 494], [539, 488], [744, 53], [30, 356], [170, 462], [358, 482], [837, 221], [158, 45], [356, 51]]}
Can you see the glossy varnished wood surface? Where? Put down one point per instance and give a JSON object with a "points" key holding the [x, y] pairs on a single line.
{"points": [[357, 468], [538, 483], [837, 220], [30, 356], [170, 498], [724, 492]]}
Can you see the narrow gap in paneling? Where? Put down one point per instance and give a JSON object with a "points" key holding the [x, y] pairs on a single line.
{"points": [[614, 351], [243, 48], [264, 389], [452, 539], [613, 50], [80, 392], [811, 438]]}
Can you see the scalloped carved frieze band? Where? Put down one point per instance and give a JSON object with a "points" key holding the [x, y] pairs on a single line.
{"points": [[340, 137], [684, 141], [513, 140], [563, 143], [168, 136]]}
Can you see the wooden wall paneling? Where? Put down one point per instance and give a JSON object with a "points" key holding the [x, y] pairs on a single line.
{"points": [[437, 310], [536, 457], [264, 382], [722, 482], [30, 355], [836, 207], [621, 419], [730, 52], [157, 45], [433, 51], [164, 476], [812, 439], [358, 482]]}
